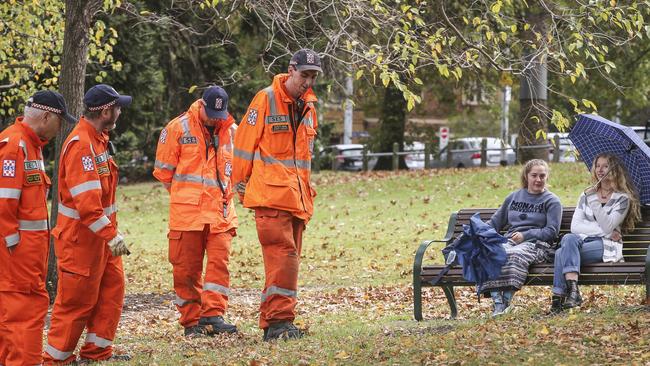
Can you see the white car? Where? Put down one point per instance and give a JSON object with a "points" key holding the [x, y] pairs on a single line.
{"points": [[643, 133], [466, 152], [416, 159]]}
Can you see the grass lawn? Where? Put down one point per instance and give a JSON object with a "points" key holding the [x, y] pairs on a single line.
{"points": [[355, 294]]}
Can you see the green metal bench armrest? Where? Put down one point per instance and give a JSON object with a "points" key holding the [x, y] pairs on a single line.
{"points": [[417, 265]]}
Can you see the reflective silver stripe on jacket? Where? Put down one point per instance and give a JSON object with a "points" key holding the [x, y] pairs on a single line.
{"points": [[274, 290], [22, 144], [186, 125], [12, 239], [84, 187], [10, 193], [32, 225], [270, 95], [160, 165], [108, 211], [209, 286], [65, 148], [56, 354], [98, 341], [243, 154], [289, 163], [180, 301], [99, 224], [69, 212], [197, 179], [74, 214]]}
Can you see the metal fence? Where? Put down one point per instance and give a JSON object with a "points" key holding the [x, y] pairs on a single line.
{"points": [[427, 151]]}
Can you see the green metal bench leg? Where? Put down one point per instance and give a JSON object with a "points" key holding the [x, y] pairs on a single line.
{"points": [[417, 281], [451, 299], [647, 277], [417, 299]]}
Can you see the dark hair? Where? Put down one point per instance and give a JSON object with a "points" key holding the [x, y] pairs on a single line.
{"points": [[92, 114], [97, 113]]}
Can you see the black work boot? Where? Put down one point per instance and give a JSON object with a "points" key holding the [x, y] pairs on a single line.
{"points": [[216, 325], [282, 330], [557, 302], [195, 331], [573, 298]]}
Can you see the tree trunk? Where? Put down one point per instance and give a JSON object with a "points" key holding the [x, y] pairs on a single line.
{"points": [[533, 96], [79, 15], [393, 122]]}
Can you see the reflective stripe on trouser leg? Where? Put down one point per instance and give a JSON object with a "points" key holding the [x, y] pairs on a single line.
{"points": [[216, 286], [102, 324], [186, 250], [24, 319], [280, 235]]}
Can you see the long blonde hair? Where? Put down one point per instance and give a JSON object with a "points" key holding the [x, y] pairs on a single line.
{"points": [[622, 183]]}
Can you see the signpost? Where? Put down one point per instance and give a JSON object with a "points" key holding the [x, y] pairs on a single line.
{"points": [[443, 134]]}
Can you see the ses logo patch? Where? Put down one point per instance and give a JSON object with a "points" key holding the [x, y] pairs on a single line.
{"points": [[252, 117]]}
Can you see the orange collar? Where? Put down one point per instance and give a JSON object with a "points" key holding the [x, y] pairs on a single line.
{"points": [[278, 85]]}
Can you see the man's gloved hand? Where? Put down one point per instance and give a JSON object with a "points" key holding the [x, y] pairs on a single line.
{"points": [[118, 246]]}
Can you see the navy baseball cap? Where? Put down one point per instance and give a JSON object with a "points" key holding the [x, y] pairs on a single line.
{"points": [[216, 102], [51, 101], [103, 96], [306, 59]]}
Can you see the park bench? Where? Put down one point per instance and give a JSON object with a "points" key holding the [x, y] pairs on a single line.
{"points": [[634, 271]]}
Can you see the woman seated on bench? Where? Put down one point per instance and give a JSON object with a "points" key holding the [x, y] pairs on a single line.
{"points": [[610, 204], [532, 217]]}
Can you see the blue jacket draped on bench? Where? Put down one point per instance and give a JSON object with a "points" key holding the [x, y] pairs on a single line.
{"points": [[479, 251]]}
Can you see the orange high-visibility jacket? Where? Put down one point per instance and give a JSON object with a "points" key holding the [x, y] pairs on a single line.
{"points": [[23, 208], [272, 156], [187, 165], [87, 184]]}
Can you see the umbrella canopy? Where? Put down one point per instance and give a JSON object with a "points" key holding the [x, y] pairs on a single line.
{"points": [[593, 135], [480, 251]]}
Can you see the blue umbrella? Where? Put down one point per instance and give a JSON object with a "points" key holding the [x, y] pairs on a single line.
{"points": [[593, 135]]}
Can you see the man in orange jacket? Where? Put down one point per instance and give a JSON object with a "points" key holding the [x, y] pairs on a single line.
{"points": [[194, 162], [24, 229], [87, 243], [273, 149]]}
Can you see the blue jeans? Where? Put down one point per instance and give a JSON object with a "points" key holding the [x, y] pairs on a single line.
{"points": [[572, 253]]}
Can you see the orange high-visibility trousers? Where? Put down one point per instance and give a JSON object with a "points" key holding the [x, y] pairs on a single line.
{"points": [[23, 316], [280, 235], [196, 298], [24, 299], [89, 299]]}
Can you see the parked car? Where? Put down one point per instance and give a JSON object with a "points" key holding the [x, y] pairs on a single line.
{"points": [[643, 133], [348, 157], [466, 152], [568, 152], [416, 159]]}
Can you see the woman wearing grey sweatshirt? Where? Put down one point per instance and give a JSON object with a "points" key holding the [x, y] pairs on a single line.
{"points": [[531, 218]]}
